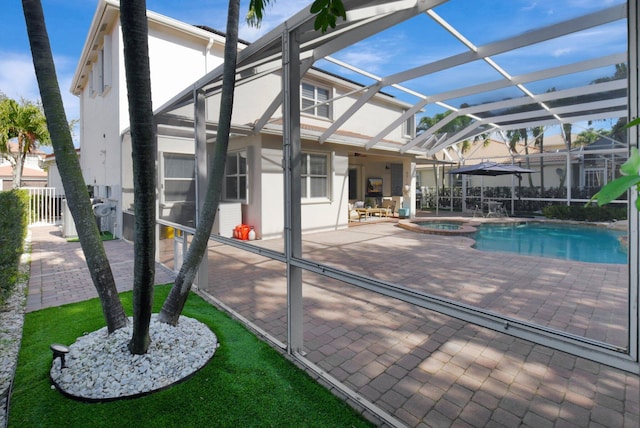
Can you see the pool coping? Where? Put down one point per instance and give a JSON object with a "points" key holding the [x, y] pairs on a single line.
{"points": [[468, 226]]}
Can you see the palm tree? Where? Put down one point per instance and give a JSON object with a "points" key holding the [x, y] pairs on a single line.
{"points": [[177, 297], [326, 13], [588, 136], [538, 140], [515, 136], [133, 18], [135, 39], [457, 124], [25, 122], [69, 167]]}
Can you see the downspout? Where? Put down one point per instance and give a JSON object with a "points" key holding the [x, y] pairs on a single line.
{"points": [[206, 55]]}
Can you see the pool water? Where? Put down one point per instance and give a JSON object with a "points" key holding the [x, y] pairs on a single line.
{"points": [[440, 225], [566, 242]]}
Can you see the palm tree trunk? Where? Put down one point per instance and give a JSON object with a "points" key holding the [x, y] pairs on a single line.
{"points": [[19, 167], [135, 37], [177, 297], [541, 166], [69, 167]]}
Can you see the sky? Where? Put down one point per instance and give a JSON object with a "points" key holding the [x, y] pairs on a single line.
{"points": [[481, 21], [68, 23]]}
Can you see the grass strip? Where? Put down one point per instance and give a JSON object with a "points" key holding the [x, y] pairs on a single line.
{"points": [[246, 384], [104, 236]]}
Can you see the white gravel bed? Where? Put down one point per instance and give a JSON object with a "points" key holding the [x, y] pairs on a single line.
{"points": [[11, 322], [99, 366]]}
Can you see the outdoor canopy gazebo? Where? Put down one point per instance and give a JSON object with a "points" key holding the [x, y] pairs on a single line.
{"points": [[489, 169]]}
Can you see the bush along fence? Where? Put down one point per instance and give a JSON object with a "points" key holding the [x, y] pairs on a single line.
{"points": [[528, 201], [13, 231]]}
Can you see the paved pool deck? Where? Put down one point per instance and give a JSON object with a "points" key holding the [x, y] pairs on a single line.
{"points": [[423, 368]]}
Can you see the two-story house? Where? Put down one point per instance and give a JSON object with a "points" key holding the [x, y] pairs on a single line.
{"points": [[335, 170]]}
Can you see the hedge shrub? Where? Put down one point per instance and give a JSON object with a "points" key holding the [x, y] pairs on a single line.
{"points": [[13, 230], [582, 213]]}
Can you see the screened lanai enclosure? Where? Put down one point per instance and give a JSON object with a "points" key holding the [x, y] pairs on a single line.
{"points": [[307, 119]]}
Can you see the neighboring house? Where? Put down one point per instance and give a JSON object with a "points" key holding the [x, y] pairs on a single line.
{"points": [[591, 166], [32, 173], [335, 171]]}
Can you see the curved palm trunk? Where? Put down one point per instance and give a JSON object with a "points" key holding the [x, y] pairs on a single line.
{"points": [[135, 36], [69, 167], [18, 168], [566, 130], [542, 166], [523, 132], [180, 291]]}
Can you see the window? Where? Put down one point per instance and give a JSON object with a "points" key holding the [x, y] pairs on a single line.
{"points": [[178, 178], [105, 53], [315, 100], [315, 176], [235, 177], [100, 73], [594, 178], [409, 127]]}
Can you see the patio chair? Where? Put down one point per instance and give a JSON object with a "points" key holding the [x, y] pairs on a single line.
{"points": [[388, 207]]}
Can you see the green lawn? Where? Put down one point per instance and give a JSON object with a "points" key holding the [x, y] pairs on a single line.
{"points": [[246, 384]]}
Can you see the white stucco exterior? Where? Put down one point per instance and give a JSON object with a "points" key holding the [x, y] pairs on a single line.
{"points": [[179, 55]]}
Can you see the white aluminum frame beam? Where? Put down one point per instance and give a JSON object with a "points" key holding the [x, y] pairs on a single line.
{"points": [[294, 41], [483, 52]]}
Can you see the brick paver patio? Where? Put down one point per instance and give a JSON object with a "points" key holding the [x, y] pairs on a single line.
{"points": [[424, 368]]}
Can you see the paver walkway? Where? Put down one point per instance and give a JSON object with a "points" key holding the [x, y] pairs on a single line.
{"points": [[59, 272], [425, 369]]}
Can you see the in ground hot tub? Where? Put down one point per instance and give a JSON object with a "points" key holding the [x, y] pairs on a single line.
{"points": [[440, 227]]}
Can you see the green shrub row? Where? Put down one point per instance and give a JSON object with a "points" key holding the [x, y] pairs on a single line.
{"points": [[13, 230], [582, 213]]}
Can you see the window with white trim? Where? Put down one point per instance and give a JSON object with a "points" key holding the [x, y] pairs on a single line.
{"points": [[315, 176], [100, 73], [409, 127], [178, 178], [315, 100], [235, 177], [594, 177]]}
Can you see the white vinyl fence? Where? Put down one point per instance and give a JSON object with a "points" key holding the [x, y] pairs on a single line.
{"points": [[45, 206]]}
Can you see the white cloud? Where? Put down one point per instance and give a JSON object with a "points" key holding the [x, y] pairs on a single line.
{"points": [[18, 80], [562, 52]]}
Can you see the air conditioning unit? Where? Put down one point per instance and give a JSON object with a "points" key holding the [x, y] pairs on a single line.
{"points": [[228, 217], [105, 215]]}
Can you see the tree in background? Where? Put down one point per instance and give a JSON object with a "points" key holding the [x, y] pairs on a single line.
{"points": [[24, 123], [588, 136], [454, 126]]}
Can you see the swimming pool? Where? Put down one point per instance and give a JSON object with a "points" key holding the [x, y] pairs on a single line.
{"points": [[561, 241]]}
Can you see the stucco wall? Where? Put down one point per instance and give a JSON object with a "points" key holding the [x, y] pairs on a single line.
{"points": [[176, 61], [317, 215]]}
